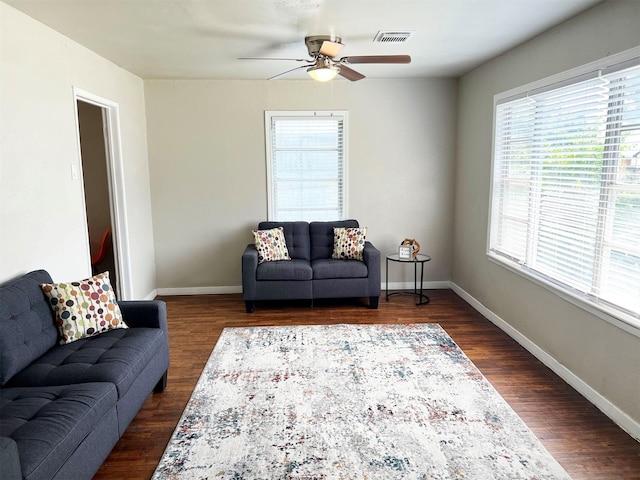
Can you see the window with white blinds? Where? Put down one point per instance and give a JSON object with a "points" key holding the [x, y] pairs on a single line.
{"points": [[565, 203], [306, 165]]}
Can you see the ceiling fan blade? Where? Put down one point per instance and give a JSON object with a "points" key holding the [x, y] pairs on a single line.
{"points": [[271, 58], [289, 71], [350, 74], [377, 59], [330, 49]]}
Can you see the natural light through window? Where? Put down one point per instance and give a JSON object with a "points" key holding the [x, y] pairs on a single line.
{"points": [[306, 165], [565, 206]]}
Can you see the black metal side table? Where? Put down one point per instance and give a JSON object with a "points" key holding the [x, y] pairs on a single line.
{"points": [[419, 259]]}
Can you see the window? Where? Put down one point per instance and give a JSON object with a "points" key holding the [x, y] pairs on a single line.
{"points": [[306, 165], [565, 203]]}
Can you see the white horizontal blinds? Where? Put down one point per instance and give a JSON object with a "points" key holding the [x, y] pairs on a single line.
{"points": [[566, 186], [566, 174], [512, 178], [307, 168], [619, 276]]}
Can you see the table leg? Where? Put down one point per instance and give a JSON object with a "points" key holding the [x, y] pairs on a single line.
{"points": [[387, 280], [421, 295]]}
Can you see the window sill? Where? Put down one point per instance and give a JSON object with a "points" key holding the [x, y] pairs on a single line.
{"points": [[622, 320]]}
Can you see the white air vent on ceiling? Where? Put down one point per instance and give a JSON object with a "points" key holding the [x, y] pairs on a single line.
{"points": [[393, 36]]}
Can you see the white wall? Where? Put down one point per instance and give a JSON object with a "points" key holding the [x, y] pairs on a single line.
{"points": [[603, 356], [42, 218], [208, 168]]}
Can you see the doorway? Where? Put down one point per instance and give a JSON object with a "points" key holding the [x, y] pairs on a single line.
{"points": [[97, 198], [103, 187]]}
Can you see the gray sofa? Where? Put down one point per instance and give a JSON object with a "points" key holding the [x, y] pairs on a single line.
{"points": [[311, 273], [64, 407]]}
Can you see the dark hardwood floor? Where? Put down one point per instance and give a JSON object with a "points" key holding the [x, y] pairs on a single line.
{"points": [[586, 443]]}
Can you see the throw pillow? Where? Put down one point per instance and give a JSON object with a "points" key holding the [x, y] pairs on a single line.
{"points": [[271, 245], [348, 243], [84, 308]]}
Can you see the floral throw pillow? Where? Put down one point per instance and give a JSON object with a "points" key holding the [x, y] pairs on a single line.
{"points": [[84, 308], [271, 245], [348, 243]]}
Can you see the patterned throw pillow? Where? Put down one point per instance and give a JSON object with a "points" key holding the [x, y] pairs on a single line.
{"points": [[84, 308], [348, 243], [271, 245]]}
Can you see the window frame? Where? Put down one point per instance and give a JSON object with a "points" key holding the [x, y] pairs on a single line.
{"points": [[269, 115], [622, 319]]}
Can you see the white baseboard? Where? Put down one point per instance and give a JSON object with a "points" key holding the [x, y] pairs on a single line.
{"points": [[238, 288], [625, 422], [152, 295], [199, 290], [409, 285]]}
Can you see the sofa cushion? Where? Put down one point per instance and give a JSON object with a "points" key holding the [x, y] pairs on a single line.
{"points": [[348, 243], [10, 459], [321, 235], [296, 236], [117, 356], [27, 328], [324, 268], [271, 245], [84, 308], [295, 269], [48, 423]]}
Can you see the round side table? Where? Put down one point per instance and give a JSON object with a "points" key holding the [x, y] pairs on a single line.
{"points": [[420, 259]]}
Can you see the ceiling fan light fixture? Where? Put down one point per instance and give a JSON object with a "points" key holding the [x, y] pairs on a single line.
{"points": [[323, 73]]}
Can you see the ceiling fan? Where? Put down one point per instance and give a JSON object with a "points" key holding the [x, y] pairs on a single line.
{"points": [[323, 64]]}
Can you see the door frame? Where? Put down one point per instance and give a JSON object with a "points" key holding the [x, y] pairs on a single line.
{"points": [[115, 178]]}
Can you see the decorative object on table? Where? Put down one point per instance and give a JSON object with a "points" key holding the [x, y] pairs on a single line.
{"points": [[352, 402], [405, 252], [413, 243]]}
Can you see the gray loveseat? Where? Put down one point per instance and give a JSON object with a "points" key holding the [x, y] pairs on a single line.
{"points": [[64, 407], [311, 273]]}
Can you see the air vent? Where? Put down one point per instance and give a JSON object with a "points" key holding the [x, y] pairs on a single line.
{"points": [[393, 36]]}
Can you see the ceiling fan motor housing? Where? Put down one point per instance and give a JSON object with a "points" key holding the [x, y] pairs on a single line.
{"points": [[314, 43]]}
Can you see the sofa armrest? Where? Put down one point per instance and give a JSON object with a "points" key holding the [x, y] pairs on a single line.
{"points": [[371, 257], [9, 459], [144, 313], [249, 267]]}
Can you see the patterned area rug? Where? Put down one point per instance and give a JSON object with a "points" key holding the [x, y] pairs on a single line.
{"points": [[349, 402]]}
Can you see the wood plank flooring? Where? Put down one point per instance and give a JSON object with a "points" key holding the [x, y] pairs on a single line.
{"points": [[587, 444]]}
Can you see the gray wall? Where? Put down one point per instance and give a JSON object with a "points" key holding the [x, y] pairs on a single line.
{"points": [[600, 354], [208, 168]]}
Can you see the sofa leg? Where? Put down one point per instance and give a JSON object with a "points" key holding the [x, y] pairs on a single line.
{"points": [[161, 385], [373, 302], [249, 306]]}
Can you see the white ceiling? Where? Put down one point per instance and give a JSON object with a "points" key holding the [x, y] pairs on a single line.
{"points": [[204, 38]]}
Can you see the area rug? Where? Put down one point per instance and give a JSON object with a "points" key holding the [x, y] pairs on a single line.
{"points": [[349, 402]]}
